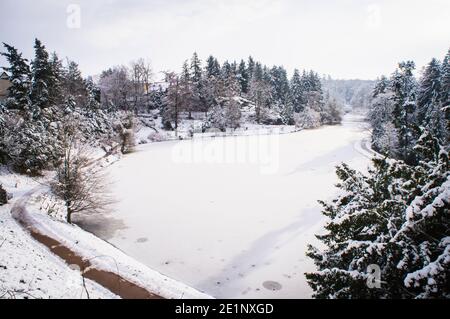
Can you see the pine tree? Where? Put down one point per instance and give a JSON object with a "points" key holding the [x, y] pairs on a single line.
{"points": [[42, 77], [403, 87], [445, 94], [55, 89], [384, 134], [196, 77], [445, 85], [297, 92], [212, 67], [226, 71], [259, 93], [196, 70], [20, 77], [93, 96], [74, 84], [380, 87], [430, 113], [188, 90], [243, 77], [287, 112], [251, 68], [280, 86]]}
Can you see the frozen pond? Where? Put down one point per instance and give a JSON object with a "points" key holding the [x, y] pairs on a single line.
{"points": [[230, 216]]}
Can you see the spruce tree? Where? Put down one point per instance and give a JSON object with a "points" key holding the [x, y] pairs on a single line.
{"points": [[93, 96], [56, 94], [251, 68], [19, 76], [430, 112], [445, 94], [403, 87], [445, 85], [297, 92], [243, 77], [74, 84], [42, 77], [196, 77], [395, 219], [212, 67], [381, 86]]}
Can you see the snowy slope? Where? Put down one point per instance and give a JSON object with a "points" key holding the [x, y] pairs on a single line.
{"points": [[230, 216], [27, 268]]}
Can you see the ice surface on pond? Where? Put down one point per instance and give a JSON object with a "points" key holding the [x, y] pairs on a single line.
{"points": [[227, 227]]}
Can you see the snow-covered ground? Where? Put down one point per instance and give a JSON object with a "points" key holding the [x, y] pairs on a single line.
{"points": [[27, 268], [230, 216]]}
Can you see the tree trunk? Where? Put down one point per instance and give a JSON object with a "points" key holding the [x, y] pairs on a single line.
{"points": [[69, 215]]}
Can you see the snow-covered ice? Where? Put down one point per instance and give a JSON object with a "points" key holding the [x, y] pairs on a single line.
{"points": [[220, 222]]}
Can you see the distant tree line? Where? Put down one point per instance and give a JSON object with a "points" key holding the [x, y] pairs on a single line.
{"points": [[220, 91]]}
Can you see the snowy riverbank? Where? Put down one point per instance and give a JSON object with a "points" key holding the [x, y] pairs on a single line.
{"points": [[29, 269]]}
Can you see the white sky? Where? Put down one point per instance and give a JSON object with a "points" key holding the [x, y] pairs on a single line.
{"points": [[346, 38]]}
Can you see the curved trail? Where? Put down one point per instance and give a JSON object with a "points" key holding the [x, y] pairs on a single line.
{"points": [[110, 280]]}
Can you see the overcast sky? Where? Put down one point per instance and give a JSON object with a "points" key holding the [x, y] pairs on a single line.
{"points": [[346, 38]]}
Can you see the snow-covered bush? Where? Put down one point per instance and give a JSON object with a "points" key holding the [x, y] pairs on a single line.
{"points": [[332, 114], [156, 137], [307, 119], [215, 119]]}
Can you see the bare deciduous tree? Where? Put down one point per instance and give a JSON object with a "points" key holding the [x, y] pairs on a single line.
{"points": [[78, 182], [141, 74]]}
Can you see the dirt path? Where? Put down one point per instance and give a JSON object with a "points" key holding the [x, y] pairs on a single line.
{"points": [[111, 281]]}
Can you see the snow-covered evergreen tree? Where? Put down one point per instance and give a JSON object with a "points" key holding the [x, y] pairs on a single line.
{"points": [[430, 112], [251, 68], [212, 67], [287, 111], [280, 86], [404, 87], [259, 93], [20, 78], [445, 81], [196, 78], [297, 92], [74, 83], [384, 133], [42, 77], [55, 82], [93, 96], [381, 86], [243, 77], [396, 220], [215, 119]]}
